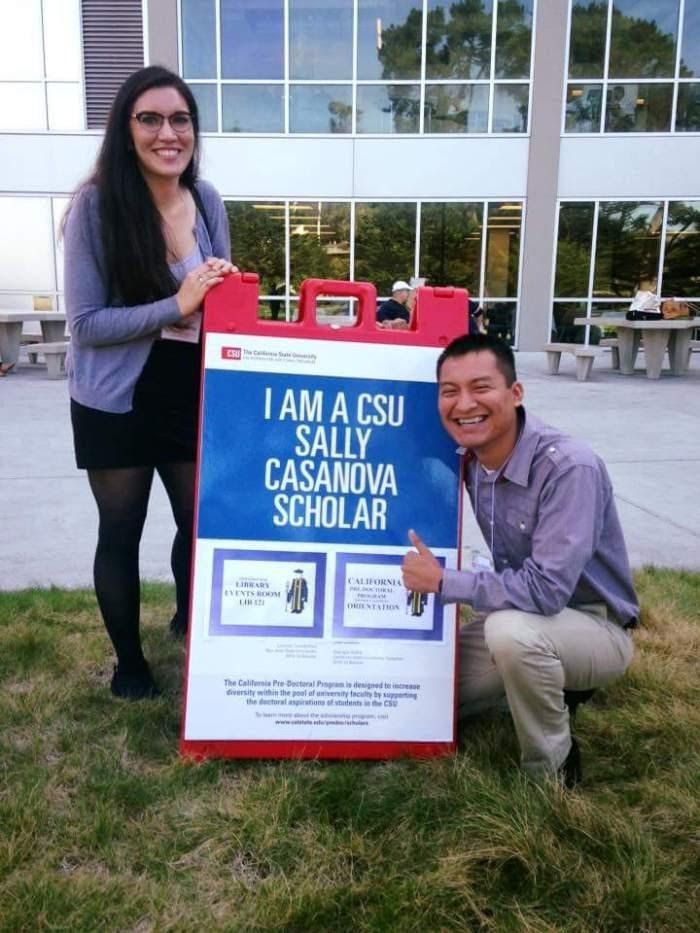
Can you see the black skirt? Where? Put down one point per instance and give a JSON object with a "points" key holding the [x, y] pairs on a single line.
{"points": [[162, 425]]}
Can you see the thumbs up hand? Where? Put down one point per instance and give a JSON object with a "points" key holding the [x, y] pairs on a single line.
{"points": [[421, 571]]}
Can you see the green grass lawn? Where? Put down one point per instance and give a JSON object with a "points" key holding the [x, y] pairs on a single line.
{"points": [[104, 827]]}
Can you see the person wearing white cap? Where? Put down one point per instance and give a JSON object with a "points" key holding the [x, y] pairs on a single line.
{"points": [[394, 313]]}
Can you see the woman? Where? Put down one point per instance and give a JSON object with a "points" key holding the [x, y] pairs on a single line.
{"points": [[145, 241]]}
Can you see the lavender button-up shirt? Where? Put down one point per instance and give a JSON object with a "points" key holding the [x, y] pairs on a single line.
{"points": [[549, 516]]}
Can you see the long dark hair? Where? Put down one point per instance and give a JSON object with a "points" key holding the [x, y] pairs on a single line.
{"points": [[135, 255]]}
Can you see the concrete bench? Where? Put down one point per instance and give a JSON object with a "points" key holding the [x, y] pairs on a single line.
{"points": [[614, 345], [28, 342], [55, 357], [584, 358]]}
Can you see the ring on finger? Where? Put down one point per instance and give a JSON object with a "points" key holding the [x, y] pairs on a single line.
{"points": [[200, 279]]}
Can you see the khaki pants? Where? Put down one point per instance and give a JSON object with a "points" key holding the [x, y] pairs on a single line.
{"points": [[530, 659]]}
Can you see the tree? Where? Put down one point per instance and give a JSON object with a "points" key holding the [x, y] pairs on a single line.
{"points": [[574, 250], [384, 243], [258, 243], [628, 244], [681, 275], [458, 45]]}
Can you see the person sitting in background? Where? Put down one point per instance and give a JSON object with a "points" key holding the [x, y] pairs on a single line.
{"points": [[394, 313], [476, 317]]}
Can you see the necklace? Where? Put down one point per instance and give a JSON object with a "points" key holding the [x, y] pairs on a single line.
{"points": [[493, 500], [170, 231]]}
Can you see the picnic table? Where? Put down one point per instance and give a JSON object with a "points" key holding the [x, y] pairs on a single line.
{"points": [[674, 335], [53, 328]]}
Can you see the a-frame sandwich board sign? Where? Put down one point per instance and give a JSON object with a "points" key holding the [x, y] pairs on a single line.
{"points": [[319, 448]]}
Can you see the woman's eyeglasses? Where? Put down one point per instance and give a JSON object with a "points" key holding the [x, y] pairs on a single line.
{"points": [[180, 122]]}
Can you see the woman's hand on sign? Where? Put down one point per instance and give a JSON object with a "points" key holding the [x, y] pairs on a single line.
{"points": [[194, 287], [421, 571], [221, 266]]}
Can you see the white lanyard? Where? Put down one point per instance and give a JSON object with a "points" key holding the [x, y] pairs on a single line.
{"points": [[493, 498]]}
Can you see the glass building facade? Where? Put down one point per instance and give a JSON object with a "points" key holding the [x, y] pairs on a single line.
{"points": [[634, 67], [542, 155], [607, 250], [359, 66]]}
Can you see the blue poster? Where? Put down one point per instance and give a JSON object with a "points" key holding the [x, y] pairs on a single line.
{"points": [[316, 459]]}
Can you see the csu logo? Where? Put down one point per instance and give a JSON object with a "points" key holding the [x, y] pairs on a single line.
{"points": [[231, 353]]}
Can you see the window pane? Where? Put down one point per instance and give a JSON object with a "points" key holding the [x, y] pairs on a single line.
{"points": [[205, 95], [385, 237], [65, 105], [583, 108], [388, 108], [638, 108], [643, 38], [450, 244], [198, 39], [510, 103], [318, 109], [29, 219], [257, 237], [688, 111], [319, 241], [513, 38], [456, 108], [587, 46], [690, 50], [22, 106], [253, 108], [20, 42], [272, 310], [502, 251], [627, 249], [563, 328], [252, 38], [61, 40], [500, 319], [320, 39], [574, 250], [389, 35], [459, 39], [59, 208], [682, 256]]}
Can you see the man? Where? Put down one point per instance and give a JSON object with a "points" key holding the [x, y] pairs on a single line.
{"points": [[394, 313], [556, 611], [297, 592]]}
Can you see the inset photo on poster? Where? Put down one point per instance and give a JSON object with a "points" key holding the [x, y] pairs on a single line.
{"points": [[372, 602], [268, 593]]}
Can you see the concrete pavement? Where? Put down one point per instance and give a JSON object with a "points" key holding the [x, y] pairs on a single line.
{"points": [[648, 432]]}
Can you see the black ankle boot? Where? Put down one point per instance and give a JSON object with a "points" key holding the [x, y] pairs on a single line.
{"points": [[570, 771], [178, 627], [134, 683], [576, 698]]}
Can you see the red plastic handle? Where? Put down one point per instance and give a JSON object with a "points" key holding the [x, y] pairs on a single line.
{"points": [[313, 289]]}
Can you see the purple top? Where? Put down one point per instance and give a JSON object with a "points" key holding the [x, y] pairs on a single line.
{"points": [[556, 537], [109, 346]]}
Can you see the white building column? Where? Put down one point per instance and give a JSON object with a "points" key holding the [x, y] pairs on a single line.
{"points": [[539, 237]]}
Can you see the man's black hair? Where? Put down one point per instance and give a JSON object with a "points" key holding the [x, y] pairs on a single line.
{"points": [[478, 343]]}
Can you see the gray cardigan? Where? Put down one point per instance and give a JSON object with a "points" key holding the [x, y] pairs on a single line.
{"points": [[109, 346]]}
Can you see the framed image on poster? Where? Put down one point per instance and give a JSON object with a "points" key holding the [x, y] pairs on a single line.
{"points": [[319, 449]]}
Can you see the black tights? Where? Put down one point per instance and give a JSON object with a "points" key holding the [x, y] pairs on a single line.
{"points": [[122, 499]]}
